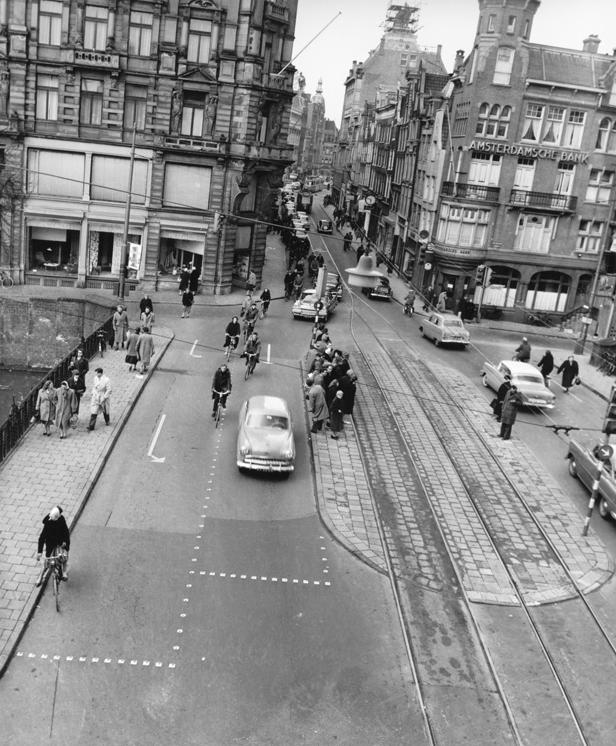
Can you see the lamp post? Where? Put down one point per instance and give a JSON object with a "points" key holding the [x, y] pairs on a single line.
{"points": [[124, 262]]}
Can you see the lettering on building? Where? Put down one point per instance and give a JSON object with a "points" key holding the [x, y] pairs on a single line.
{"points": [[528, 151]]}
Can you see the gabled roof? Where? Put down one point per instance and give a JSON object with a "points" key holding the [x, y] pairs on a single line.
{"points": [[567, 66]]}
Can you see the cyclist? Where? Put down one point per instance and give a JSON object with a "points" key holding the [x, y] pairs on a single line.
{"points": [[246, 303], [232, 333], [55, 534], [298, 285], [250, 319], [252, 347], [289, 279], [221, 387], [409, 302], [266, 298]]}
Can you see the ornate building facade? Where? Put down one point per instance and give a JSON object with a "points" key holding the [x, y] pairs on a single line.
{"points": [[187, 101]]}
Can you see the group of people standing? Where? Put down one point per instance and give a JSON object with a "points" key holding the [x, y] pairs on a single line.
{"points": [[330, 385]]}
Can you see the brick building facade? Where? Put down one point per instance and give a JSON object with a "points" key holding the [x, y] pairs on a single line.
{"points": [[198, 84]]}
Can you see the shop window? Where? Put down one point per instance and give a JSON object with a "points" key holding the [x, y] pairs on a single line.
{"points": [[548, 291], [47, 97], [600, 183], [135, 102], [50, 23], [53, 250], [91, 109], [199, 41], [95, 28], [140, 33], [109, 180], [56, 173], [187, 186], [176, 254]]}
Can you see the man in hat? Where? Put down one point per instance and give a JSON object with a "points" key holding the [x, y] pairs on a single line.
{"points": [[55, 534], [523, 351]]}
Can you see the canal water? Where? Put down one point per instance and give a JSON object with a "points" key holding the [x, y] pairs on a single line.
{"points": [[16, 384]]}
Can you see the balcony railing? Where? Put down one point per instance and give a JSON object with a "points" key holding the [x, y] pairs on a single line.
{"points": [[97, 59], [192, 143], [543, 200], [276, 11], [470, 191]]}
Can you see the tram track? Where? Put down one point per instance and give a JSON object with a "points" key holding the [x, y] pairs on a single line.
{"points": [[563, 695]]}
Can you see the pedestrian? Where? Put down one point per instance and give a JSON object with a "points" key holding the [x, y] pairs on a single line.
{"points": [[510, 411], [188, 298], [546, 366], [193, 280], [441, 303], [147, 320], [55, 534], [145, 302], [317, 405], [79, 363], [346, 241], [266, 299], [298, 285], [522, 351], [66, 407], [100, 400], [78, 385], [428, 295], [333, 386], [360, 252], [145, 350], [120, 326], [246, 303], [289, 278], [336, 412], [348, 386], [132, 352], [184, 278], [570, 371], [46, 406], [251, 283], [497, 402]]}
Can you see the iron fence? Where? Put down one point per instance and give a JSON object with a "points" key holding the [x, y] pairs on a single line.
{"points": [[21, 416]]}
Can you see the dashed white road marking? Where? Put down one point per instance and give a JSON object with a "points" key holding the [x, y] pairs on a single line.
{"points": [[260, 578], [93, 660]]}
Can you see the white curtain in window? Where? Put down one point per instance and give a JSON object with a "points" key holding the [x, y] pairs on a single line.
{"points": [[56, 173], [110, 179], [187, 186]]}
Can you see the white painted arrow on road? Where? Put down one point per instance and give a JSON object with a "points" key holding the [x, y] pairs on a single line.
{"points": [[157, 459]]}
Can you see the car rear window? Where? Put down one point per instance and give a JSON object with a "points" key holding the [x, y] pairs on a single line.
{"points": [[259, 419], [530, 379]]}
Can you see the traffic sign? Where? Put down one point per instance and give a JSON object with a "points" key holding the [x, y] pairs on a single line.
{"points": [[318, 305], [427, 266], [604, 452]]}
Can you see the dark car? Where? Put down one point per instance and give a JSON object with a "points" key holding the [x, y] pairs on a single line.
{"points": [[325, 226], [382, 291]]}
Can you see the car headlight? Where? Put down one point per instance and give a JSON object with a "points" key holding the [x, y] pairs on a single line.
{"points": [[287, 454], [244, 450]]}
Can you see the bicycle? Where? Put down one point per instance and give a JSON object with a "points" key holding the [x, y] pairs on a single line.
{"points": [[7, 280], [251, 362], [219, 406], [101, 342], [248, 328], [231, 343], [54, 565]]}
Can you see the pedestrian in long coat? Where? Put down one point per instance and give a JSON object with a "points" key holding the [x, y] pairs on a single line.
{"points": [[441, 303], [193, 280], [77, 384], [184, 278], [336, 412], [546, 365], [145, 349], [330, 392], [348, 386], [100, 400], [132, 353], [497, 404], [510, 411], [317, 405], [66, 406], [187, 303], [120, 327], [570, 371], [80, 363], [147, 320], [46, 406], [523, 351]]}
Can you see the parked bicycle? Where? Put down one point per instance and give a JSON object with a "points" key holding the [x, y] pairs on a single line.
{"points": [[539, 319], [101, 339], [7, 280], [53, 568]]}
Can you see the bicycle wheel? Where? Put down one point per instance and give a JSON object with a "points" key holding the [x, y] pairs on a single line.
{"points": [[228, 351], [247, 371], [218, 414], [7, 281], [56, 586]]}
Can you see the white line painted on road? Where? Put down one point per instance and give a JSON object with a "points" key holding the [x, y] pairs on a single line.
{"points": [[156, 459], [192, 349], [94, 660], [268, 357], [264, 578]]}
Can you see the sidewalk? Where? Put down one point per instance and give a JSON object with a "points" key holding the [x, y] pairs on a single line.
{"points": [[71, 468]]}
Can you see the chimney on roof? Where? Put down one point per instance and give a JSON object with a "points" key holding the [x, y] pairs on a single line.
{"points": [[591, 44], [439, 49], [459, 61]]}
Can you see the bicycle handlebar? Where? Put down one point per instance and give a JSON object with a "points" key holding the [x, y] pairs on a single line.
{"points": [[220, 393]]}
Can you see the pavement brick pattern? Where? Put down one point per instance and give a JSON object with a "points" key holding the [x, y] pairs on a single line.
{"points": [[44, 471]]}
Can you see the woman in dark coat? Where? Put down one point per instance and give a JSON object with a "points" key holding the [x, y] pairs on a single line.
{"points": [[570, 371], [502, 392], [336, 412], [184, 278], [510, 412], [546, 365]]}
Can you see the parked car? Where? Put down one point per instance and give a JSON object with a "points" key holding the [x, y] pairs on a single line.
{"points": [[265, 439], [325, 226], [382, 291], [334, 286], [304, 307], [445, 328], [583, 465], [525, 376]]}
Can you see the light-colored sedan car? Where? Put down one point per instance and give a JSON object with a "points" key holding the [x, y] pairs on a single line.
{"points": [[265, 439], [526, 377], [305, 306], [584, 465], [444, 328]]}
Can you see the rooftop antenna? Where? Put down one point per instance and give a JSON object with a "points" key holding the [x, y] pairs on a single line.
{"points": [[329, 23]]}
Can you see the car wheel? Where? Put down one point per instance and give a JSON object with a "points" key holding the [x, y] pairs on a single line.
{"points": [[604, 510], [484, 380], [572, 467]]}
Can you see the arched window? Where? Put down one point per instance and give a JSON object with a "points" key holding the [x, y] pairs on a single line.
{"points": [[492, 121], [548, 291], [482, 119], [603, 134]]}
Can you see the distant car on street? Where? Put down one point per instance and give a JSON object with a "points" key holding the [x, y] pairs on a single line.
{"points": [[525, 376], [334, 286], [444, 328], [265, 439], [325, 226], [382, 290], [583, 465], [306, 306]]}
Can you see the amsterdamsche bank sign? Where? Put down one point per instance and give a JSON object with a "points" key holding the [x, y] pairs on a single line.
{"points": [[528, 151]]}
